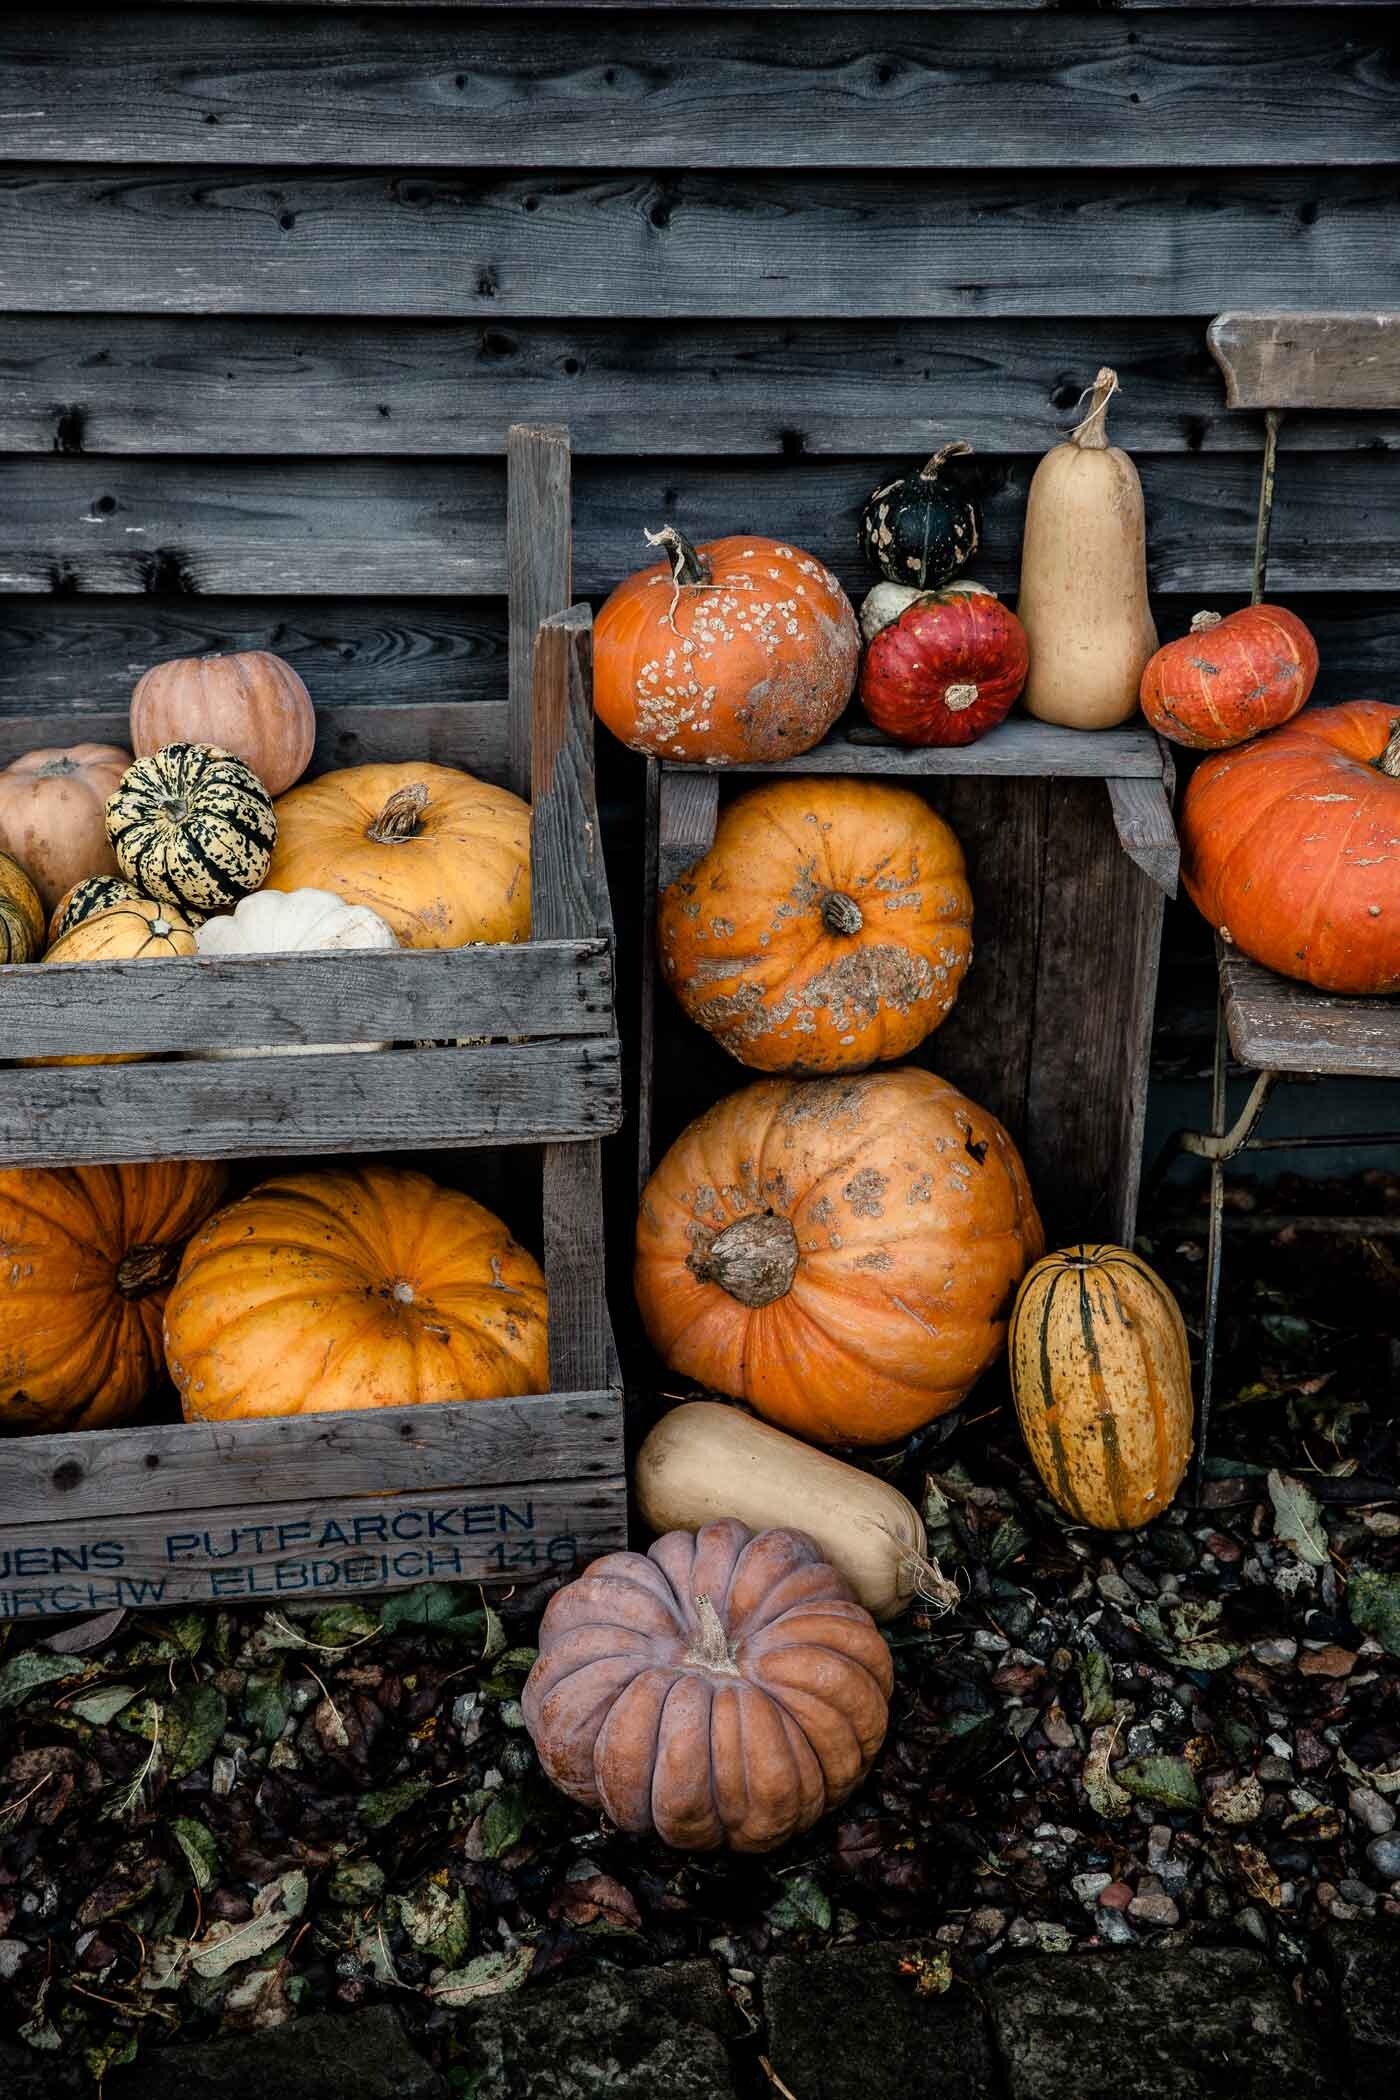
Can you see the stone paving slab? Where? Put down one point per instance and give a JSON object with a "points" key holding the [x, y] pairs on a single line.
{"points": [[851, 2022], [1365, 1963], [328, 2056]]}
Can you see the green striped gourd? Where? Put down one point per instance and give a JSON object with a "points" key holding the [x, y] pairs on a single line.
{"points": [[192, 826]]}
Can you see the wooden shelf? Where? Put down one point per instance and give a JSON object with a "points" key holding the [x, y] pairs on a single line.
{"points": [[1278, 1025], [1020, 749]]}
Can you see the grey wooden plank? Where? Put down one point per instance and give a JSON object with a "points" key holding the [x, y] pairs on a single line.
{"points": [[1333, 361], [539, 564], [74, 655], [381, 1101], [854, 90], [190, 383], [1019, 748], [540, 988], [915, 7], [694, 243], [686, 817], [1277, 1025], [1142, 817], [336, 526], [315, 1547], [184, 1466]]}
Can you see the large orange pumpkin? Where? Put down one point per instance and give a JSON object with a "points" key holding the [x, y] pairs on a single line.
{"points": [[87, 1255], [739, 649], [828, 927], [350, 1288], [442, 857], [248, 702], [840, 1253], [1229, 678], [722, 1689], [1290, 847], [53, 814]]}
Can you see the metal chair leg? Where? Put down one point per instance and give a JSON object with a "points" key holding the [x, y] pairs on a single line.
{"points": [[1214, 1246]]}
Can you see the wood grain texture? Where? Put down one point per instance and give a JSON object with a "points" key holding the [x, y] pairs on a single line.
{"points": [[1331, 361], [110, 526], [138, 383], [1019, 748], [1142, 817], [1277, 1025], [229, 240], [187, 1465], [543, 987], [687, 813], [539, 564], [854, 90], [390, 1101]]}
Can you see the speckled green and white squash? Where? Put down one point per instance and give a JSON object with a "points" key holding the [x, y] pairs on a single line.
{"points": [[926, 526], [93, 894], [193, 826]]}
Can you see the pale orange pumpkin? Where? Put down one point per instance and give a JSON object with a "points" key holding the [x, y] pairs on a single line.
{"points": [[842, 1254], [52, 814], [248, 702], [442, 857], [87, 1255], [828, 927], [349, 1288], [136, 930]]}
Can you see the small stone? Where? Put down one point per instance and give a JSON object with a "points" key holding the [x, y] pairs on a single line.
{"points": [[1114, 1927], [224, 1775], [1154, 1909], [1057, 1728], [1052, 1938], [1344, 1913], [1249, 1920], [1274, 1654], [1372, 1809], [1326, 1895], [1312, 1753], [1088, 1887], [1117, 1896], [989, 1922], [1353, 1891], [1326, 1662], [1142, 1741], [1274, 1770], [1021, 1933], [1384, 1855], [1224, 1549], [1240, 1803]]}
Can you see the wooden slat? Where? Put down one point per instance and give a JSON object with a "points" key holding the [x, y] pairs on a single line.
{"points": [[539, 564], [393, 1101], [686, 817], [1331, 361], [226, 240], [175, 1466], [1142, 817], [1278, 1026], [119, 383], [852, 90], [555, 988], [917, 7], [1019, 748], [117, 526]]}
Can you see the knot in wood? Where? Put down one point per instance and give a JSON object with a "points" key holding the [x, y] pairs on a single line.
{"points": [[755, 1260]]}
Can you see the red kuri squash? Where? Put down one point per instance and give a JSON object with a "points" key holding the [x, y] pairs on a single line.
{"points": [[947, 670], [1229, 678]]}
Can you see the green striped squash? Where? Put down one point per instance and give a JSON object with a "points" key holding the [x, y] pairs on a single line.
{"points": [[192, 826], [93, 894], [1101, 1373]]}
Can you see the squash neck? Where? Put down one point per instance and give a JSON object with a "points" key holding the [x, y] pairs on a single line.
{"points": [[959, 449], [1389, 760], [401, 817], [755, 1260], [1092, 434], [710, 1649], [146, 1268], [688, 565]]}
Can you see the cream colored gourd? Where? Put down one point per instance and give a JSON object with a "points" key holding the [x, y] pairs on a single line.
{"points": [[1083, 597], [279, 922], [705, 1460]]}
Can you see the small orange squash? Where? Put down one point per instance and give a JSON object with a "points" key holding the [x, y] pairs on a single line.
{"points": [[52, 814], [1101, 1372], [248, 702], [828, 927], [1229, 678], [138, 930]]}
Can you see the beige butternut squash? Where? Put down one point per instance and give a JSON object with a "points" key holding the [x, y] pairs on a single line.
{"points": [[704, 1461], [1083, 597]]}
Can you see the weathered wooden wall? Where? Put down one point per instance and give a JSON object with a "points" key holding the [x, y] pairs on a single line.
{"points": [[276, 278]]}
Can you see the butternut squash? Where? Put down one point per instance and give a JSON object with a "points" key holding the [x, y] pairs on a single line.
{"points": [[1083, 598], [705, 1460]]}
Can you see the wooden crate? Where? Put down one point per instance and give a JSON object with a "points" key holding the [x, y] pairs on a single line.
{"points": [[1071, 854], [326, 1505]]}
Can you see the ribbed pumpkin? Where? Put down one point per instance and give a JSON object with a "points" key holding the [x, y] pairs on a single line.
{"points": [[21, 914], [51, 814], [93, 894], [139, 930], [842, 1254], [88, 1256], [742, 648], [350, 1288], [1101, 1372], [1229, 678], [1290, 847], [722, 1689], [193, 826], [442, 857], [924, 527], [248, 702], [947, 669], [828, 927]]}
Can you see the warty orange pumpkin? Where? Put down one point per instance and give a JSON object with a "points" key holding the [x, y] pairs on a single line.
{"points": [[722, 1689], [828, 927], [842, 1254], [87, 1256]]}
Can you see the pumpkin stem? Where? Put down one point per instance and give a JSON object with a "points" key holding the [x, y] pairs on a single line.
{"points": [[957, 450], [1202, 622], [687, 564], [710, 1649], [840, 913], [1389, 760], [755, 1260], [401, 816], [1092, 434], [149, 1267], [958, 697]]}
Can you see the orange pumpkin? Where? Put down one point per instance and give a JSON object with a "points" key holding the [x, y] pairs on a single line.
{"points": [[87, 1255], [741, 649], [442, 857], [248, 702], [722, 1689], [828, 927], [350, 1288], [1229, 678], [53, 814], [1290, 847], [842, 1254], [21, 914], [136, 930]]}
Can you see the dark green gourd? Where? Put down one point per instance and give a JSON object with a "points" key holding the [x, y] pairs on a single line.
{"points": [[924, 527]]}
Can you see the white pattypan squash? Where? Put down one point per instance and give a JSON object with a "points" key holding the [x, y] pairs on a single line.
{"points": [[281, 922]]}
